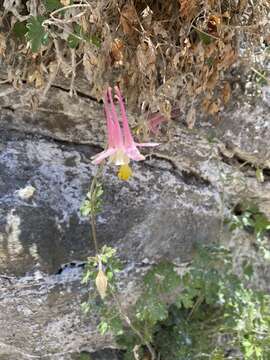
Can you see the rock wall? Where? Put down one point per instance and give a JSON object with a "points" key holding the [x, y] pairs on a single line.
{"points": [[178, 197]]}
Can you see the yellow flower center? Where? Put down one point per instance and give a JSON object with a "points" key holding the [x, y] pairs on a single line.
{"points": [[119, 158], [125, 172]]}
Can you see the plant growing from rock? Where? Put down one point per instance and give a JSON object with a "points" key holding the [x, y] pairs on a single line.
{"points": [[205, 311]]}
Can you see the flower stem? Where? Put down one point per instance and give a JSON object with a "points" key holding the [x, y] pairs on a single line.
{"points": [[93, 214]]}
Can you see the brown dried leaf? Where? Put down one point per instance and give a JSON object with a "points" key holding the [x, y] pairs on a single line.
{"points": [[213, 24], [117, 51], [191, 117], [101, 283], [146, 57], [228, 58], [213, 108], [226, 92], [37, 78], [212, 80], [188, 9], [128, 18]]}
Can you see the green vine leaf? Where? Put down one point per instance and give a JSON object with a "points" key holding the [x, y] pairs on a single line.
{"points": [[36, 34], [78, 35], [52, 5], [19, 29]]}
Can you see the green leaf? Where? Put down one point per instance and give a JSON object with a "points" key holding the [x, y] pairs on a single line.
{"points": [[52, 5], [151, 310], [19, 29], [187, 301], [36, 34], [74, 40], [206, 39], [259, 175], [85, 208], [94, 40], [103, 327]]}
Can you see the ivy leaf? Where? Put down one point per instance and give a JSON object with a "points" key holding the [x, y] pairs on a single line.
{"points": [[19, 29], [36, 35], [52, 5]]}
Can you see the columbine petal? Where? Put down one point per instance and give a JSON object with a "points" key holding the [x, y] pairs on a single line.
{"points": [[117, 133], [110, 123], [103, 155], [134, 154], [128, 139]]}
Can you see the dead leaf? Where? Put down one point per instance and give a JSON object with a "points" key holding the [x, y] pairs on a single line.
{"points": [[146, 57], [213, 108], [37, 78], [213, 24], [117, 51], [191, 118], [128, 18], [227, 59], [226, 92], [101, 283], [212, 80], [188, 9]]}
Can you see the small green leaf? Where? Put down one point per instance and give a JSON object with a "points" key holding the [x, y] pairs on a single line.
{"points": [[85, 208], [206, 39], [259, 175], [36, 34], [103, 327], [94, 40], [52, 5], [19, 29], [74, 39]]}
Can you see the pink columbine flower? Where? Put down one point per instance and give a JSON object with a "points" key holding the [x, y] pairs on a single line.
{"points": [[121, 145]]}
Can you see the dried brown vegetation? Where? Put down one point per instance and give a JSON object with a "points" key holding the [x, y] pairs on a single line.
{"points": [[163, 54]]}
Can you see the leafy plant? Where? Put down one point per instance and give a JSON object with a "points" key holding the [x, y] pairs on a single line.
{"points": [[250, 218], [93, 201], [202, 313], [36, 34]]}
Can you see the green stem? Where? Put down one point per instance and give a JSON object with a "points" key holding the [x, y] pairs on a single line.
{"points": [[93, 204]]}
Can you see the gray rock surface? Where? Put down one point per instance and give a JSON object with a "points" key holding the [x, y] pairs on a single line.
{"points": [[176, 198]]}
